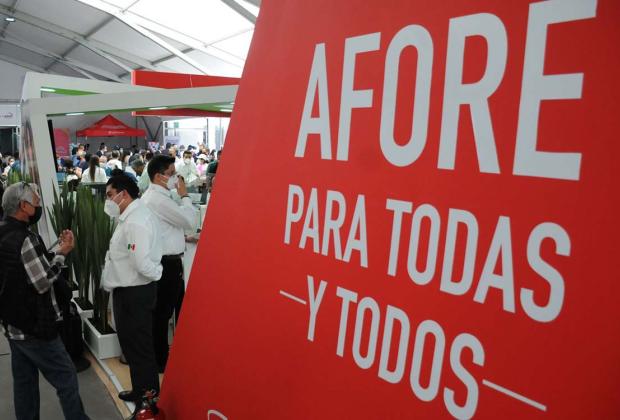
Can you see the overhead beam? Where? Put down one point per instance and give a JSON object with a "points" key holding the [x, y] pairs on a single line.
{"points": [[70, 62], [195, 45], [86, 36], [166, 45], [170, 56], [5, 24], [104, 50], [120, 14], [78, 70], [22, 64], [240, 10]]}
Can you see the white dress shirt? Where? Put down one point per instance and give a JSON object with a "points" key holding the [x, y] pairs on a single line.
{"points": [[134, 258], [115, 164], [130, 170], [144, 181], [175, 217], [189, 172], [100, 176]]}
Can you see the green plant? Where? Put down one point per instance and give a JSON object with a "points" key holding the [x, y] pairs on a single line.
{"points": [[14, 177], [82, 211], [83, 234], [103, 229], [93, 230], [61, 214]]}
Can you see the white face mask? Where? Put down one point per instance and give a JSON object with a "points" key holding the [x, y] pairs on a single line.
{"points": [[111, 208], [187, 161], [172, 182]]}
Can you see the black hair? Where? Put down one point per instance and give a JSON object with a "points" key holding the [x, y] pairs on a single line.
{"points": [[137, 163], [134, 157], [93, 164], [121, 182], [148, 155], [115, 154], [159, 164], [87, 157], [187, 152]]}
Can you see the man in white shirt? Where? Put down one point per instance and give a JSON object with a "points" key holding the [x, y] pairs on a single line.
{"points": [[144, 181], [172, 151], [131, 272], [188, 170], [175, 218], [114, 163]]}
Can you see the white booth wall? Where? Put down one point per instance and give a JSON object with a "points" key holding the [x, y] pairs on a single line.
{"points": [[193, 131]]}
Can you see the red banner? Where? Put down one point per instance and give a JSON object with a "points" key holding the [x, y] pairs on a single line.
{"points": [[425, 228], [61, 141]]}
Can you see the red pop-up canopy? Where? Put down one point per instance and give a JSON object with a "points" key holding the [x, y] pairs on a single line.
{"points": [[109, 126]]}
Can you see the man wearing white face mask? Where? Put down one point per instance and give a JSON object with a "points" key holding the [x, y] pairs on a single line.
{"points": [[188, 170], [131, 272], [175, 218]]}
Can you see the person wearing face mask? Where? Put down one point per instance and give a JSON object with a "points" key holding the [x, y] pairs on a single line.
{"points": [[175, 218], [10, 161], [30, 297], [131, 272], [1, 194], [188, 170]]}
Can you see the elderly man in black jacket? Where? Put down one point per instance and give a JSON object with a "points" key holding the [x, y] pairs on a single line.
{"points": [[29, 306]]}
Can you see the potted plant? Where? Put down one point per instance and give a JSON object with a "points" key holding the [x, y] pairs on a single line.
{"points": [[62, 214], [100, 337], [83, 234]]}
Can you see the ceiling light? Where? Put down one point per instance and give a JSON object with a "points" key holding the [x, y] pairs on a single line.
{"points": [[44, 89], [155, 108], [71, 114], [9, 19]]}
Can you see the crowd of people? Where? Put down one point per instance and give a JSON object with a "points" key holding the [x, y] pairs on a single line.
{"points": [[196, 164], [7, 164], [143, 268]]}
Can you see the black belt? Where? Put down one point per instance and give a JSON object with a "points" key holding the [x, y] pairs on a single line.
{"points": [[172, 257]]}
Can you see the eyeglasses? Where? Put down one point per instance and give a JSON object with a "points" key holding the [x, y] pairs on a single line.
{"points": [[32, 188], [26, 185]]}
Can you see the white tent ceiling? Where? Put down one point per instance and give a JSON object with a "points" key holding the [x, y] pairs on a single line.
{"points": [[106, 39]]}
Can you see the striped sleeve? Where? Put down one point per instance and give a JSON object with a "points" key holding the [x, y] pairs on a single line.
{"points": [[42, 273]]}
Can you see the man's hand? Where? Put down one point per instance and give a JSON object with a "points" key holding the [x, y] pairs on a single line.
{"points": [[181, 188], [66, 242]]}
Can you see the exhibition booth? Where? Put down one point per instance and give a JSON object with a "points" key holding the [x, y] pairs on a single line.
{"points": [[415, 218], [48, 98]]}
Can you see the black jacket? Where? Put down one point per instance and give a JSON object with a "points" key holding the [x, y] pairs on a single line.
{"points": [[21, 305]]}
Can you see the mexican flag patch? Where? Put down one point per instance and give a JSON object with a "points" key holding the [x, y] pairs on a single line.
{"points": [[131, 247]]}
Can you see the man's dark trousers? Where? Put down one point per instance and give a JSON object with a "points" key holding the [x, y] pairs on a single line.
{"points": [[133, 317], [30, 356], [169, 291]]}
